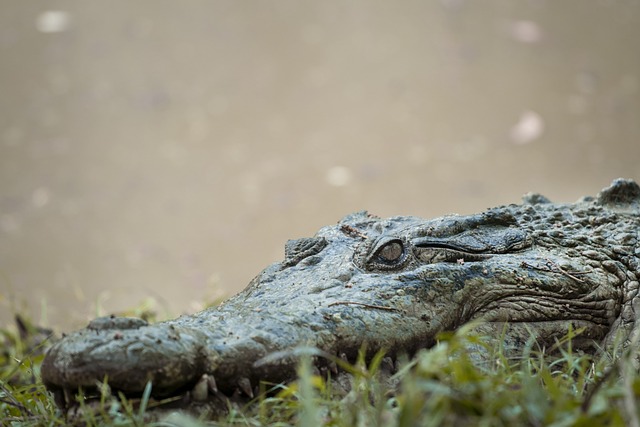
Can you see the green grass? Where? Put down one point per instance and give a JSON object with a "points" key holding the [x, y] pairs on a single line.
{"points": [[446, 385]]}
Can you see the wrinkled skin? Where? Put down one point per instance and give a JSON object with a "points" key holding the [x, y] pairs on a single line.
{"points": [[390, 284]]}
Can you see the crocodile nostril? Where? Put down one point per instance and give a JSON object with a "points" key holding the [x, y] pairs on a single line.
{"points": [[299, 249]]}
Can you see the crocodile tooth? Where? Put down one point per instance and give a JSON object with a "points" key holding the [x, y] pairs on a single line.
{"points": [[245, 385], [200, 391], [387, 366], [68, 396], [58, 397], [211, 383], [333, 367], [324, 372]]}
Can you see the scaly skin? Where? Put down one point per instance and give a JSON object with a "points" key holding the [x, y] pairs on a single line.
{"points": [[390, 284]]}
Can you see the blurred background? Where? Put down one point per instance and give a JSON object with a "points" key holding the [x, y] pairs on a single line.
{"points": [[165, 151]]}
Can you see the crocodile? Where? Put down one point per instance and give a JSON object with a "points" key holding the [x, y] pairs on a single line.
{"points": [[388, 284]]}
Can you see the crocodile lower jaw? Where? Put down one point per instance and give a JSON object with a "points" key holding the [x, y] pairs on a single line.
{"points": [[204, 397]]}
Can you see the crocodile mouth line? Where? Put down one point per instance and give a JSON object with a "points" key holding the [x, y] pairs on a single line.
{"points": [[204, 395], [74, 401]]}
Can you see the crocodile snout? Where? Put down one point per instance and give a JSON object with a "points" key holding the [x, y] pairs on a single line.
{"points": [[128, 353]]}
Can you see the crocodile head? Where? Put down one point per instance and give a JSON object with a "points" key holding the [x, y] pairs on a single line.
{"points": [[390, 284]]}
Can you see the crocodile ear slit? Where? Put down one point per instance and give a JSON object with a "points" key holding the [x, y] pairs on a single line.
{"points": [[493, 240], [427, 243]]}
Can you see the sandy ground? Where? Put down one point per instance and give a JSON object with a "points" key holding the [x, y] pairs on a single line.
{"points": [[167, 150]]}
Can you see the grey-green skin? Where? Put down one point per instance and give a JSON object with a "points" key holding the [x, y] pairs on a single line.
{"points": [[390, 284]]}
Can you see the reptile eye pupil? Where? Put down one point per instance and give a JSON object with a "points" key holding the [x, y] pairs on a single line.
{"points": [[391, 252]]}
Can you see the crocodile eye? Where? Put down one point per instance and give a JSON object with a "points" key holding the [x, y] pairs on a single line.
{"points": [[391, 252]]}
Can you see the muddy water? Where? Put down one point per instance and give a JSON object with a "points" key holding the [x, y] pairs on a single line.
{"points": [[167, 151]]}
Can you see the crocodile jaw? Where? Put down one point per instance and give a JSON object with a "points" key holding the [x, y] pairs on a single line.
{"points": [[328, 302]]}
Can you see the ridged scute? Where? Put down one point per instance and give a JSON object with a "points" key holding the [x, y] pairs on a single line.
{"points": [[620, 192]]}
